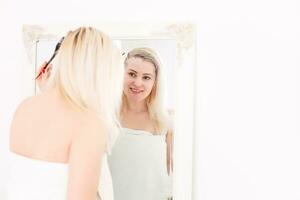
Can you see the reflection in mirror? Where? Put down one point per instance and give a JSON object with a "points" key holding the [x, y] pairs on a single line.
{"points": [[141, 159]]}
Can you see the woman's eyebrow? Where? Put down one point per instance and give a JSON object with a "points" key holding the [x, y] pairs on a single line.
{"points": [[148, 74], [133, 70]]}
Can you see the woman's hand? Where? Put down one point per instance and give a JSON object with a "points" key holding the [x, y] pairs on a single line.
{"points": [[43, 75]]}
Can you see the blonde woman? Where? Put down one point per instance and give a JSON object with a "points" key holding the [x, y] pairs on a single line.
{"points": [[141, 160], [58, 138]]}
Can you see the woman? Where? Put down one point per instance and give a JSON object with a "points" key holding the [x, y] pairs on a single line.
{"points": [[58, 138], [141, 160]]}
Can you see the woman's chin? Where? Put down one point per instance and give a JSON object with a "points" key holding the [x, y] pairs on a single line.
{"points": [[136, 97]]}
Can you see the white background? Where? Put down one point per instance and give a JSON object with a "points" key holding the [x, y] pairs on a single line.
{"points": [[247, 142]]}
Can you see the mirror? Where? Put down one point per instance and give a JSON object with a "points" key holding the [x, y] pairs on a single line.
{"points": [[175, 46]]}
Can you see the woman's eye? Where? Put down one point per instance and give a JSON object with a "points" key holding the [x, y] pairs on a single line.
{"points": [[147, 77], [132, 74]]}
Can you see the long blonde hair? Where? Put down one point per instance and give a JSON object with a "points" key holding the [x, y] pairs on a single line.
{"points": [[155, 101], [89, 74]]}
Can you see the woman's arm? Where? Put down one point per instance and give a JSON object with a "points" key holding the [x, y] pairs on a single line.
{"points": [[169, 140], [85, 160]]}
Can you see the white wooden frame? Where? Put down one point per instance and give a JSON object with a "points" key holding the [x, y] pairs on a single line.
{"points": [[184, 121]]}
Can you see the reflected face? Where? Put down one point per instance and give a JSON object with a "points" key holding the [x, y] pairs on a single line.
{"points": [[139, 79]]}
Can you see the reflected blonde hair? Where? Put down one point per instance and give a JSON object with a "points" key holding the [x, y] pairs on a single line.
{"points": [[155, 100], [89, 74]]}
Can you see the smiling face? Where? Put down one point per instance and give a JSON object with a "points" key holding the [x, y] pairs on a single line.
{"points": [[139, 79]]}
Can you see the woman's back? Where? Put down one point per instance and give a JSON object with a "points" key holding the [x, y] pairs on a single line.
{"points": [[43, 127], [43, 131]]}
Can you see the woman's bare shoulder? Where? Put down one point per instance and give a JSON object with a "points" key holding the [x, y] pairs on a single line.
{"points": [[25, 107], [22, 116]]}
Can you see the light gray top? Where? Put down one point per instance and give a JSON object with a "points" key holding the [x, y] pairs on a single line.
{"points": [[139, 167]]}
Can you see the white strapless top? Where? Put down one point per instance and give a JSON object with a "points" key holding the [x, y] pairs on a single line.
{"points": [[31, 179]]}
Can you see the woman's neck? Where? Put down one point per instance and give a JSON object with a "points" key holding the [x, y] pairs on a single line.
{"points": [[136, 107]]}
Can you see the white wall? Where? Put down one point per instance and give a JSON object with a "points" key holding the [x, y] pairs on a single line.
{"points": [[247, 141]]}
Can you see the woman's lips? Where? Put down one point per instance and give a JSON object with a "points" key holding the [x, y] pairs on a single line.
{"points": [[135, 90]]}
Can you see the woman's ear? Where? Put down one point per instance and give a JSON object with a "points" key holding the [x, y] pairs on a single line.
{"points": [[48, 71]]}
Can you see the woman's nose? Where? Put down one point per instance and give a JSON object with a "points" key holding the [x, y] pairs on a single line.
{"points": [[138, 82]]}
